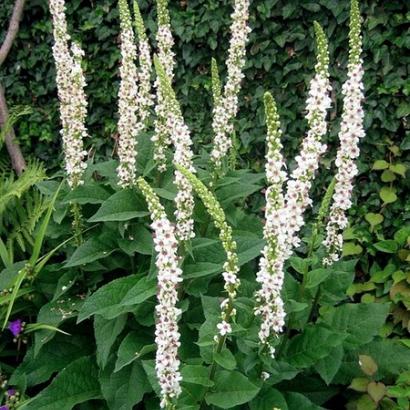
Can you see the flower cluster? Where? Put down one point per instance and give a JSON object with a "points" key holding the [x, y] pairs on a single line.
{"points": [[230, 266], [70, 87], [182, 142], [128, 124], [351, 130], [269, 303], [165, 42], [226, 109], [167, 336], [145, 98], [318, 102]]}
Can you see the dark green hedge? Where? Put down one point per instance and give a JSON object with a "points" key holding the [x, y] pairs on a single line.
{"points": [[280, 59]]}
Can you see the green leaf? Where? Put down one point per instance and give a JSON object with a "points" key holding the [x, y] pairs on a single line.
{"points": [[374, 219], [139, 240], [388, 194], [359, 384], [299, 401], [124, 389], [360, 321], [91, 250], [225, 359], [119, 296], [316, 277], [231, 389], [122, 206], [380, 164], [316, 342], [367, 364], [328, 366], [388, 176], [53, 357], [196, 374], [75, 384], [376, 390], [351, 248], [269, 399], [387, 246], [87, 194], [106, 332], [133, 346], [300, 265]]}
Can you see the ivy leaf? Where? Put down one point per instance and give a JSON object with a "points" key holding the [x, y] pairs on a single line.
{"points": [[374, 219], [387, 246], [77, 383], [231, 389], [118, 296], [122, 206], [388, 194], [380, 164]]}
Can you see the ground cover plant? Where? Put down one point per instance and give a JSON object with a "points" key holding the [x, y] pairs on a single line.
{"points": [[172, 275]]}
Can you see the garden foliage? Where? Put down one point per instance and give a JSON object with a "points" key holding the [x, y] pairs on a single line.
{"points": [[77, 306]]}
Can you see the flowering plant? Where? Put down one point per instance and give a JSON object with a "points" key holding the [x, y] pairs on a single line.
{"points": [[188, 288]]}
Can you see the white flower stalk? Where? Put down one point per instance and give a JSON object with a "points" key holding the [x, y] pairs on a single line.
{"points": [[128, 124], [70, 87], [165, 42], [145, 97], [351, 130], [167, 336], [318, 102], [226, 109], [269, 303], [231, 267], [181, 139]]}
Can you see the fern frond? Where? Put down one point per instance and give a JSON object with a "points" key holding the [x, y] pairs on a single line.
{"points": [[11, 188]]}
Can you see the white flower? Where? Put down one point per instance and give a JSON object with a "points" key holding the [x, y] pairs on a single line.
{"points": [[224, 328], [165, 42], [145, 98], [298, 187], [70, 87], [227, 106], [351, 130], [167, 336], [269, 304], [181, 140], [128, 124]]}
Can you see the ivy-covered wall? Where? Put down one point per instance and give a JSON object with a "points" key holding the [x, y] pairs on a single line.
{"points": [[280, 59]]}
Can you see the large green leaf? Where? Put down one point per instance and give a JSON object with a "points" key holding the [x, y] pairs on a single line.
{"points": [[122, 206], [231, 389], [269, 399], [53, 357], [124, 389], [106, 332], [119, 296], [91, 250], [134, 346], [313, 344], [360, 321], [87, 194], [77, 383]]}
